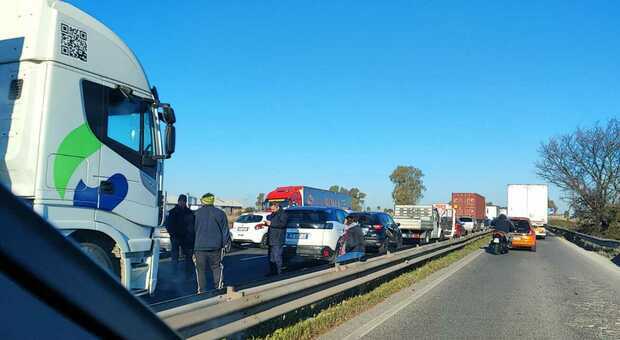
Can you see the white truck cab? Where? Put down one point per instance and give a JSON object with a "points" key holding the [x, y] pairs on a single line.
{"points": [[80, 134]]}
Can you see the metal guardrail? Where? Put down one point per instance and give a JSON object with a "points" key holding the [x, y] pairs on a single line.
{"points": [[237, 311], [576, 237]]}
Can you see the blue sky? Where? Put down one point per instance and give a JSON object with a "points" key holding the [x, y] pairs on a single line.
{"points": [[316, 93]]}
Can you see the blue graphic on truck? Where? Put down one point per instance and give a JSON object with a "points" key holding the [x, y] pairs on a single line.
{"points": [[325, 198]]}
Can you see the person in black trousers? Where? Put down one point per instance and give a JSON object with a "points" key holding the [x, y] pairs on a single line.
{"points": [[277, 233], [180, 226], [211, 225]]}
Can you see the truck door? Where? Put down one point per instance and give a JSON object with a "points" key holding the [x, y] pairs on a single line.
{"points": [[128, 177]]}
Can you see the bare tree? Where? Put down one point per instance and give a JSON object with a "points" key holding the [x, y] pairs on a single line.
{"points": [[585, 165], [260, 198]]}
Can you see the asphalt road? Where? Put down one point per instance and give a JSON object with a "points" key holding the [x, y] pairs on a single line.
{"points": [[241, 266], [559, 292], [244, 266]]}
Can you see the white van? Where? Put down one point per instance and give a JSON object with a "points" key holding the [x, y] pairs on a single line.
{"points": [[313, 233], [249, 228]]}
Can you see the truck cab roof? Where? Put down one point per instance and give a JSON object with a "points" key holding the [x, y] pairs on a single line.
{"points": [[53, 30]]}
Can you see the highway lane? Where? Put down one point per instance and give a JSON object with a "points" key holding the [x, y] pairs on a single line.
{"points": [[241, 266], [559, 292], [244, 266]]}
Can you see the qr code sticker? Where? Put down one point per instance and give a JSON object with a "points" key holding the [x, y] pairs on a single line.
{"points": [[73, 42]]}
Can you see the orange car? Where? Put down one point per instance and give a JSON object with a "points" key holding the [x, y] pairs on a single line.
{"points": [[523, 236]]}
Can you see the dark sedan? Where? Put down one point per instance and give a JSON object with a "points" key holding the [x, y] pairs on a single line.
{"points": [[381, 233]]}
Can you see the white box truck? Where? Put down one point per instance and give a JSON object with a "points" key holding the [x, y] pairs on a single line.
{"points": [[492, 211], [80, 137], [529, 200], [419, 222]]}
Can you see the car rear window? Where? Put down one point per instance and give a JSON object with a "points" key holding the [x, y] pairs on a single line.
{"points": [[521, 226], [365, 219], [306, 216], [465, 219], [250, 218]]}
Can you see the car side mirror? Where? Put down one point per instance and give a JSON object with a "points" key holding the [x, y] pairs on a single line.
{"points": [[171, 136]]}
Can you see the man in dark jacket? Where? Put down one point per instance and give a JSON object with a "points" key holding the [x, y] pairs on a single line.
{"points": [[211, 226], [180, 226], [503, 224], [277, 234]]}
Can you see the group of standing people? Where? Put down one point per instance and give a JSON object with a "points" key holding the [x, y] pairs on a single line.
{"points": [[202, 236]]}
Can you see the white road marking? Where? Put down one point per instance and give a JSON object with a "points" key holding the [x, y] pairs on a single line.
{"points": [[418, 293], [253, 258]]}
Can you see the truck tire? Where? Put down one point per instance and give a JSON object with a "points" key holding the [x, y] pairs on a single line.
{"points": [[101, 257], [427, 237]]}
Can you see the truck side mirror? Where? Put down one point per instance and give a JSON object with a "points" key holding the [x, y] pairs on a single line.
{"points": [[171, 136], [168, 114], [148, 161]]}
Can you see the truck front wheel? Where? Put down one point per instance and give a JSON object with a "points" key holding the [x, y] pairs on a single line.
{"points": [[100, 256]]}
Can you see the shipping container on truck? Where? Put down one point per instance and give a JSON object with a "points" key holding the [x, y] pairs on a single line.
{"points": [[418, 222], [303, 196], [469, 204], [529, 200]]}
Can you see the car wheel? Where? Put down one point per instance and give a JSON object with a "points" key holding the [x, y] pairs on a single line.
{"points": [[384, 248], [264, 242]]}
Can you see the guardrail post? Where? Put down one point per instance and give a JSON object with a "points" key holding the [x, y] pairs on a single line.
{"points": [[232, 294]]}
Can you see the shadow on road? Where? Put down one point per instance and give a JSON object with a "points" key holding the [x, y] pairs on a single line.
{"points": [[616, 260]]}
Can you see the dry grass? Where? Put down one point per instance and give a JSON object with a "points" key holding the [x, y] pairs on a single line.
{"points": [[562, 223], [339, 313]]}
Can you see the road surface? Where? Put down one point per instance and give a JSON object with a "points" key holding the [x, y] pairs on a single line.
{"points": [[558, 292], [243, 267]]}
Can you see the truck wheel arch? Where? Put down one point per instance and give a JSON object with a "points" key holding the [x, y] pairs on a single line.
{"points": [[93, 239]]}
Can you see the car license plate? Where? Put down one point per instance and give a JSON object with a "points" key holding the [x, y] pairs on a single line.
{"points": [[496, 240], [297, 236], [242, 228]]}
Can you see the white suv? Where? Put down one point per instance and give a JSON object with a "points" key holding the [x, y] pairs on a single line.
{"points": [[249, 228], [313, 233]]}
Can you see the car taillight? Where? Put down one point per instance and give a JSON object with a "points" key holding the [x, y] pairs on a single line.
{"points": [[326, 252], [378, 227], [258, 226], [532, 232]]}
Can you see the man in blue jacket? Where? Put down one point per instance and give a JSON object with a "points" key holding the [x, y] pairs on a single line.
{"points": [[211, 226]]}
